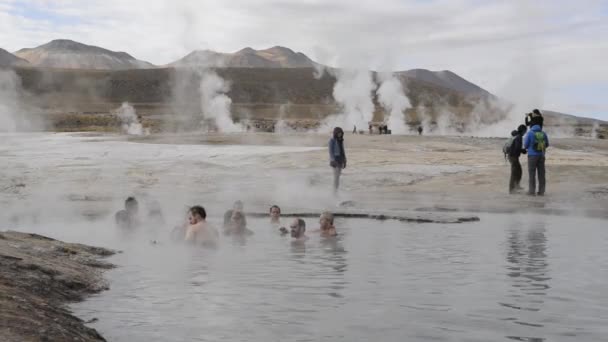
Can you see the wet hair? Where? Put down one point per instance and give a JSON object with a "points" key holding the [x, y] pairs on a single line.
{"points": [[130, 200], [328, 215], [274, 206], [238, 204], [198, 210]]}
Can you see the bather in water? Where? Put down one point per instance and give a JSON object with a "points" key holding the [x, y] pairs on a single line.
{"points": [[128, 218]]}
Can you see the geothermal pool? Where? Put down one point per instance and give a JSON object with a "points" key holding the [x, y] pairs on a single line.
{"points": [[508, 277], [522, 276]]}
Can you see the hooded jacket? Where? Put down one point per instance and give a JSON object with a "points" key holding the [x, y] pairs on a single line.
{"points": [[530, 141], [336, 147]]}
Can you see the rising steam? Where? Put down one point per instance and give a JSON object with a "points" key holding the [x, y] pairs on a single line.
{"points": [[353, 92], [392, 97], [129, 121], [215, 103]]}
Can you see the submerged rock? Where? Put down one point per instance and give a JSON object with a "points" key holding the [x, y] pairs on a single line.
{"points": [[38, 276]]}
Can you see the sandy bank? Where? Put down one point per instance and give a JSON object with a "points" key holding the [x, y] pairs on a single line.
{"points": [[38, 276]]}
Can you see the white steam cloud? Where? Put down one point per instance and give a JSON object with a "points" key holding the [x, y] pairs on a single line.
{"points": [[10, 106], [215, 103], [129, 121], [392, 97], [353, 92]]}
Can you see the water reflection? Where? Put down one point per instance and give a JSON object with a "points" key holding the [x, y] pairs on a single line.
{"points": [[528, 270]]}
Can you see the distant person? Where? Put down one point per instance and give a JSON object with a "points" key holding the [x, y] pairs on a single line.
{"points": [[128, 218], [534, 118], [355, 129], [419, 130], [514, 151], [237, 225], [326, 225], [536, 143], [198, 231], [337, 155], [238, 206], [155, 214], [298, 229], [370, 128], [275, 219]]}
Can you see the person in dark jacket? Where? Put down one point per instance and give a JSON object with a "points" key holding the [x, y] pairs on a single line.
{"points": [[515, 151], [536, 142], [337, 156]]}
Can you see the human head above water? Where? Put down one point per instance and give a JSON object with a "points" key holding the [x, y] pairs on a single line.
{"points": [[326, 220], [196, 214], [275, 212], [298, 227], [131, 205]]}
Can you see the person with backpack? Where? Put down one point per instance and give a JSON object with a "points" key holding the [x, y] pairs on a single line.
{"points": [[536, 143], [508, 143], [514, 151]]}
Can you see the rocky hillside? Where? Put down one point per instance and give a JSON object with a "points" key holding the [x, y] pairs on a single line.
{"points": [[275, 57], [446, 79], [68, 54], [7, 59]]}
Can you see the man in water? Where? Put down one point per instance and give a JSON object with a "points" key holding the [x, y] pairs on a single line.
{"points": [[298, 229], [515, 150], [337, 155], [326, 222], [128, 217], [198, 231], [536, 143]]}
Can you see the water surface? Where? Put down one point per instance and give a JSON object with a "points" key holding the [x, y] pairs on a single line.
{"points": [[522, 278]]}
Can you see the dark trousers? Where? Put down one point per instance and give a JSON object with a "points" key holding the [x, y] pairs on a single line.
{"points": [[536, 164], [516, 173]]}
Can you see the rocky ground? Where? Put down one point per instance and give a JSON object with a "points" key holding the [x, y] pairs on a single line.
{"points": [[38, 276]]}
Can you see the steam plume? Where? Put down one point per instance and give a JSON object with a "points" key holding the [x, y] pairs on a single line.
{"points": [[129, 120], [215, 104], [392, 97]]}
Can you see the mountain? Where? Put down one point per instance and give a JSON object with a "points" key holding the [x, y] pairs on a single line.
{"points": [[446, 79], [275, 57], [7, 59], [68, 54]]}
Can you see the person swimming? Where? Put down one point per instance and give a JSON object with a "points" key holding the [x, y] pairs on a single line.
{"points": [[326, 222], [128, 218], [275, 219], [298, 229], [238, 206], [198, 231]]}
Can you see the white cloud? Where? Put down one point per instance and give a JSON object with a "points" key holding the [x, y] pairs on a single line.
{"points": [[558, 43]]}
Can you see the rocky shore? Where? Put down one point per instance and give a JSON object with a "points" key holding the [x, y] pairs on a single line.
{"points": [[38, 277]]}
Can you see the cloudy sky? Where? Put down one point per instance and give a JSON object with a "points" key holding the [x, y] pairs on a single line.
{"points": [[547, 54]]}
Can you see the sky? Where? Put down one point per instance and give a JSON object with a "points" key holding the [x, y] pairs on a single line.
{"points": [[538, 53]]}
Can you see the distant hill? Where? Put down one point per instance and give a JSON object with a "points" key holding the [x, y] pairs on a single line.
{"points": [[446, 79], [7, 59], [275, 57], [68, 54]]}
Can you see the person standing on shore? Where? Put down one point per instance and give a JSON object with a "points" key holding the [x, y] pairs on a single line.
{"points": [[514, 151], [337, 155], [536, 143]]}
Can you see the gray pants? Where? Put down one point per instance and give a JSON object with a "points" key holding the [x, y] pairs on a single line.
{"points": [[337, 173], [536, 164]]}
